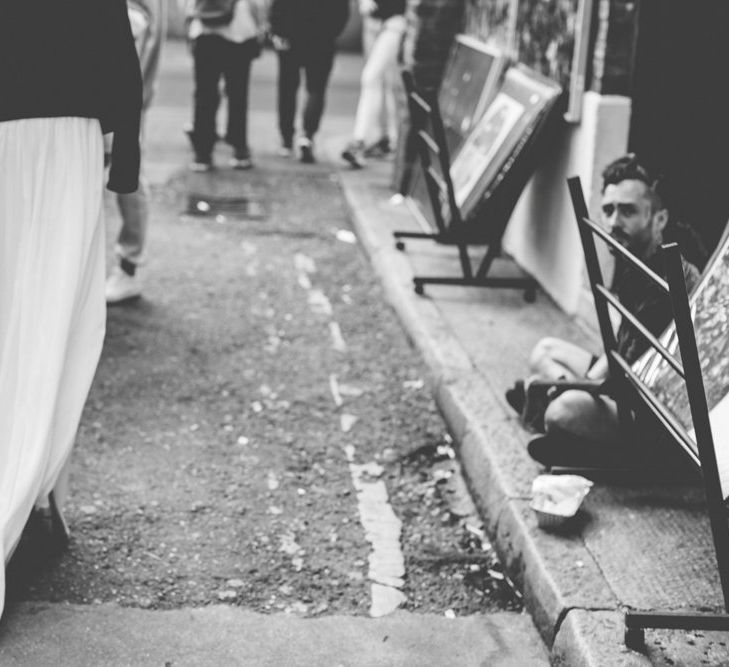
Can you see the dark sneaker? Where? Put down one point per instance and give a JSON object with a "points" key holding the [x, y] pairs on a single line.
{"points": [[565, 450], [306, 150], [380, 149], [516, 396], [354, 154], [241, 159]]}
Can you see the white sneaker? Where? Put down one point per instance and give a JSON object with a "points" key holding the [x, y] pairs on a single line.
{"points": [[120, 286]]}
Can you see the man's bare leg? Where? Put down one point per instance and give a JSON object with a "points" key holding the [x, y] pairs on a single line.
{"points": [[554, 358]]}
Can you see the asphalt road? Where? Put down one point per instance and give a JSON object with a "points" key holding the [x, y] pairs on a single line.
{"points": [[261, 435]]}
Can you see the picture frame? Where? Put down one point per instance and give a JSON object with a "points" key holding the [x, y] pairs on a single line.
{"points": [[709, 301], [470, 82], [495, 142], [472, 76], [491, 151]]}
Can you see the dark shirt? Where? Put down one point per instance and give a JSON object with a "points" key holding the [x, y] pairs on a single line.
{"points": [[388, 8], [309, 23], [644, 300], [74, 58]]}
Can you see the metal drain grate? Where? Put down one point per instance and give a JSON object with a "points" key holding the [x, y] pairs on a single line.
{"points": [[226, 207]]}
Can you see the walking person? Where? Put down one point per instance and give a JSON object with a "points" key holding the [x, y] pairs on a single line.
{"points": [[377, 82], [303, 33], [148, 21], [68, 73], [226, 36]]}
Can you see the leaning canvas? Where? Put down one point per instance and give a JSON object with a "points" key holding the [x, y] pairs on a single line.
{"points": [[472, 76], [710, 311], [495, 143]]}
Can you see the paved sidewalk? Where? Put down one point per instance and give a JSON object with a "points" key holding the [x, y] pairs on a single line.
{"points": [[636, 545]]}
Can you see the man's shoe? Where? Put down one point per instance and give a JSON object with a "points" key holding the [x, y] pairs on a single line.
{"points": [[565, 450], [516, 396], [306, 150], [354, 154], [241, 159], [121, 287], [380, 149]]}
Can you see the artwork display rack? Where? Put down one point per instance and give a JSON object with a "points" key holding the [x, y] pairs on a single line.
{"points": [[450, 227], [632, 394]]}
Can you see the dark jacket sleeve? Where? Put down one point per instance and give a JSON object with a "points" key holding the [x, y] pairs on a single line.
{"points": [[307, 21], [123, 99], [340, 16]]}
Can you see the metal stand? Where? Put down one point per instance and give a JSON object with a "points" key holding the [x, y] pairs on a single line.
{"points": [[632, 394], [427, 128]]}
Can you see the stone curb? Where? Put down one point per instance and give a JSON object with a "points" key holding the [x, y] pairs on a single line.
{"points": [[571, 606]]}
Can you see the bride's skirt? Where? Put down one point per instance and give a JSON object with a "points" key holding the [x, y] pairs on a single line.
{"points": [[52, 309]]}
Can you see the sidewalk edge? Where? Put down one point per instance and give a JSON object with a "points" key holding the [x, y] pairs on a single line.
{"points": [[572, 644]]}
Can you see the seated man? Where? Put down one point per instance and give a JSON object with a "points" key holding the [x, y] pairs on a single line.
{"points": [[582, 428]]}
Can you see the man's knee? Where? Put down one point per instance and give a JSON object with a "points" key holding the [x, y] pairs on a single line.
{"points": [[566, 411], [582, 414], [544, 350]]}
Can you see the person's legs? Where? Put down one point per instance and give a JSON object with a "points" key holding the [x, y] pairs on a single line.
{"points": [[582, 430], [554, 358], [317, 67], [288, 86], [208, 53], [371, 28], [236, 72], [123, 282], [382, 59], [594, 418], [134, 210], [318, 64]]}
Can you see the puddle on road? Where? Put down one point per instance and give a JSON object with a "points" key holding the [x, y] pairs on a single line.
{"points": [[223, 207]]}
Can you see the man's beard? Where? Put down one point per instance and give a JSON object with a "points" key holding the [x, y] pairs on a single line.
{"points": [[635, 246]]}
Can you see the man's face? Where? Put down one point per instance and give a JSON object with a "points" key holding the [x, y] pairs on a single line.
{"points": [[627, 212]]}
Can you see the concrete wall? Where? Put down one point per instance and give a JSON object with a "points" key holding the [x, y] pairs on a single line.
{"points": [[542, 234]]}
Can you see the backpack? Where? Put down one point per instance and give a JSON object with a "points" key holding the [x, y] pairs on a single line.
{"points": [[214, 12]]}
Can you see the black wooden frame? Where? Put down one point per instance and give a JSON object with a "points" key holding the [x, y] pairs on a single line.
{"points": [[631, 394], [429, 134]]}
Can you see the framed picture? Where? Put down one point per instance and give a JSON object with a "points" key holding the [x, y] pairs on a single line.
{"points": [[493, 146], [710, 310], [472, 76]]}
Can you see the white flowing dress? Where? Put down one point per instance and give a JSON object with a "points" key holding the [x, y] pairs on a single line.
{"points": [[52, 308]]}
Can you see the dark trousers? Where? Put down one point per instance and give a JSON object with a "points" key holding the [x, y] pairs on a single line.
{"points": [[214, 58], [317, 65]]}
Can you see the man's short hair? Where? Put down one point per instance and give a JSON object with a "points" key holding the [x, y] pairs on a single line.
{"points": [[628, 168]]}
